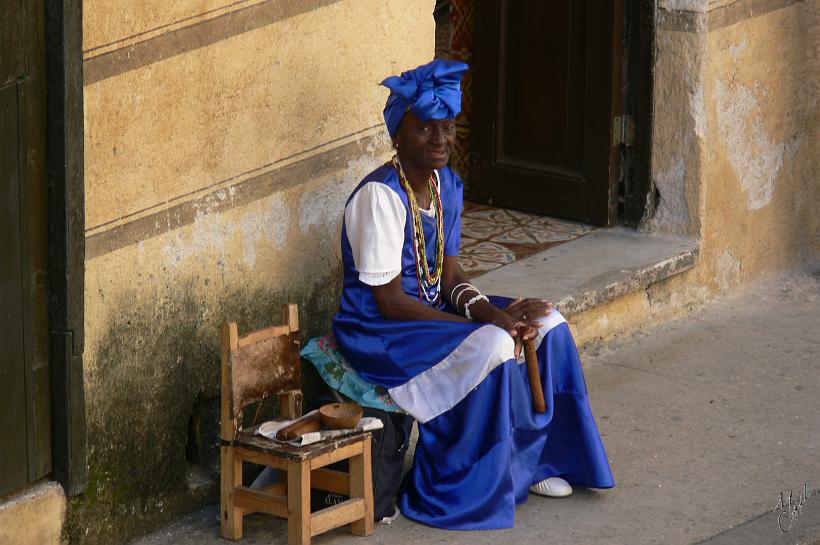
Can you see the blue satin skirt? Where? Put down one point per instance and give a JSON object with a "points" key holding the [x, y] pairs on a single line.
{"points": [[477, 461]]}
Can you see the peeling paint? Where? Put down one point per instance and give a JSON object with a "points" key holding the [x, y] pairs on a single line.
{"points": [[264, 223], [727, 270], [266, 220], [680, 130], [672, 210], [697, 107], [324, 205], [736, 50], [755, 158]]}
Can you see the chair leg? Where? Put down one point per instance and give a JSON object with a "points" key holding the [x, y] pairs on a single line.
{"points": [[299, 503], [230, 520], [361, 486]]}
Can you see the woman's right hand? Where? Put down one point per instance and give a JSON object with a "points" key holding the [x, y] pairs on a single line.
{"points": [[518, 330], [529, 310]]}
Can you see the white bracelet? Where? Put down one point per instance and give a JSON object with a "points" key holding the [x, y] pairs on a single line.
{"points": [[453, 292], [470, 302], [462, 292]]}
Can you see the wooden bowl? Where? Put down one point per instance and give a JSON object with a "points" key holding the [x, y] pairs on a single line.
{"points": [[340, 416]]}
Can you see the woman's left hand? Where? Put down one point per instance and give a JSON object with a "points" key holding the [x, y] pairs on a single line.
{"points": [[529, 310]]}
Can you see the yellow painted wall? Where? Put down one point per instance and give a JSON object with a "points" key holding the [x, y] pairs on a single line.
{"points": [[195, 120], [221, 141], [735, 153], [760, 202]]}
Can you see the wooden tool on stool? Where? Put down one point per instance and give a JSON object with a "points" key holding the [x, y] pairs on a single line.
{"points": [[305, 425], [538, 403]]}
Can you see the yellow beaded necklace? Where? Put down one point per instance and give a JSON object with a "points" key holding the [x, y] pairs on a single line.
{"points": [[429, 282]]}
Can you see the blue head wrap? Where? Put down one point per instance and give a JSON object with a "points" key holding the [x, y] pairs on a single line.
{"points": [[432, 91]]}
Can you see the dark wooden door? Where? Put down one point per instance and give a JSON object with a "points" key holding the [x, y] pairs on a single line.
{"points": [[546, 86], [25, 422]]}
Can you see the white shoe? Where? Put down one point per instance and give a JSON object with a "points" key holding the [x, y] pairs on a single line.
{"points": [[554, 487]]}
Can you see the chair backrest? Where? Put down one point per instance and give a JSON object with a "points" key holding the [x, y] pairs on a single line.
{"points": [[259, 364]]}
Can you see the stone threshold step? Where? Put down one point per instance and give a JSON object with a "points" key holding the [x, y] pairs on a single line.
{"points": [[594, 269]]}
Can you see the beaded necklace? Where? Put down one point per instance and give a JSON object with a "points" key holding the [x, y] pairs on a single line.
{"points": [[429, 282]]}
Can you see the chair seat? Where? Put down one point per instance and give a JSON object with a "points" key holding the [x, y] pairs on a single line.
{"points": [[248, 439]]}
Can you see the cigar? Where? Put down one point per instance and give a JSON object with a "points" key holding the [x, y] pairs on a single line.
{"points": [[538, 403], [297, 429]]}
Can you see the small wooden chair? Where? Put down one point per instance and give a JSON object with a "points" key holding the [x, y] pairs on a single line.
{"points": [[254, 367]]}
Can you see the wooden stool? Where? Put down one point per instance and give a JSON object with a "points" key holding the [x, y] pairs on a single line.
{"points": [[260, 364]]}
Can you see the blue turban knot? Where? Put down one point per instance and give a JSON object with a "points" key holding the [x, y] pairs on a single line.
{"points": [[432, 91]]}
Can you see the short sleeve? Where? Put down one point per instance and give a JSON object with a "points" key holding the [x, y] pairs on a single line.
{"points": [[374, 221], [452, 244]]}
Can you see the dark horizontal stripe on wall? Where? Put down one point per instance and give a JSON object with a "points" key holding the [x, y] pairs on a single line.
{"points": [[723, 16], [248, 174], [247, 191], [745, 9], [179, 22], [189, 38]]}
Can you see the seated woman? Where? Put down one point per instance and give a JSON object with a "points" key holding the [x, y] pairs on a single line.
{"points": [[411, 322]]}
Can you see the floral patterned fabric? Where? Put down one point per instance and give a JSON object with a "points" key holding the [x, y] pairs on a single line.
{"points": [[337, 373]]}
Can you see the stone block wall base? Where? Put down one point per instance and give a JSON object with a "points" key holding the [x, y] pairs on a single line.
{"points": [[34, 516]]}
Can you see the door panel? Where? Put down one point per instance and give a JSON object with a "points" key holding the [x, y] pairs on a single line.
{"points": [[34, 233], [541, 111], [25, 400], [544, 90], [13, 455]]}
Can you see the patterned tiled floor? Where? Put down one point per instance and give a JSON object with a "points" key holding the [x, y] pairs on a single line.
{"points": [[492, 237]]}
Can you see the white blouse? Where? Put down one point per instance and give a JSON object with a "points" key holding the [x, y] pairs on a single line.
{"points": [[374, 220]]}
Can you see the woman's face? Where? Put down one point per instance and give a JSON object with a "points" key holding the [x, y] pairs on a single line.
{"points": [[425, 144]]}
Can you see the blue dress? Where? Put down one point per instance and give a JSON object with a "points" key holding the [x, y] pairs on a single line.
{"points": [[480, 445]]}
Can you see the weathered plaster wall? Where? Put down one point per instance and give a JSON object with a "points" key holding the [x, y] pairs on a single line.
{"points": [[680, 120], [761, 169], [735, 156], [222, 139], [735, 152]]}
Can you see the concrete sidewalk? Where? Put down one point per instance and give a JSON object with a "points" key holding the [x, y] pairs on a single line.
{"points": [[706, 420]]}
